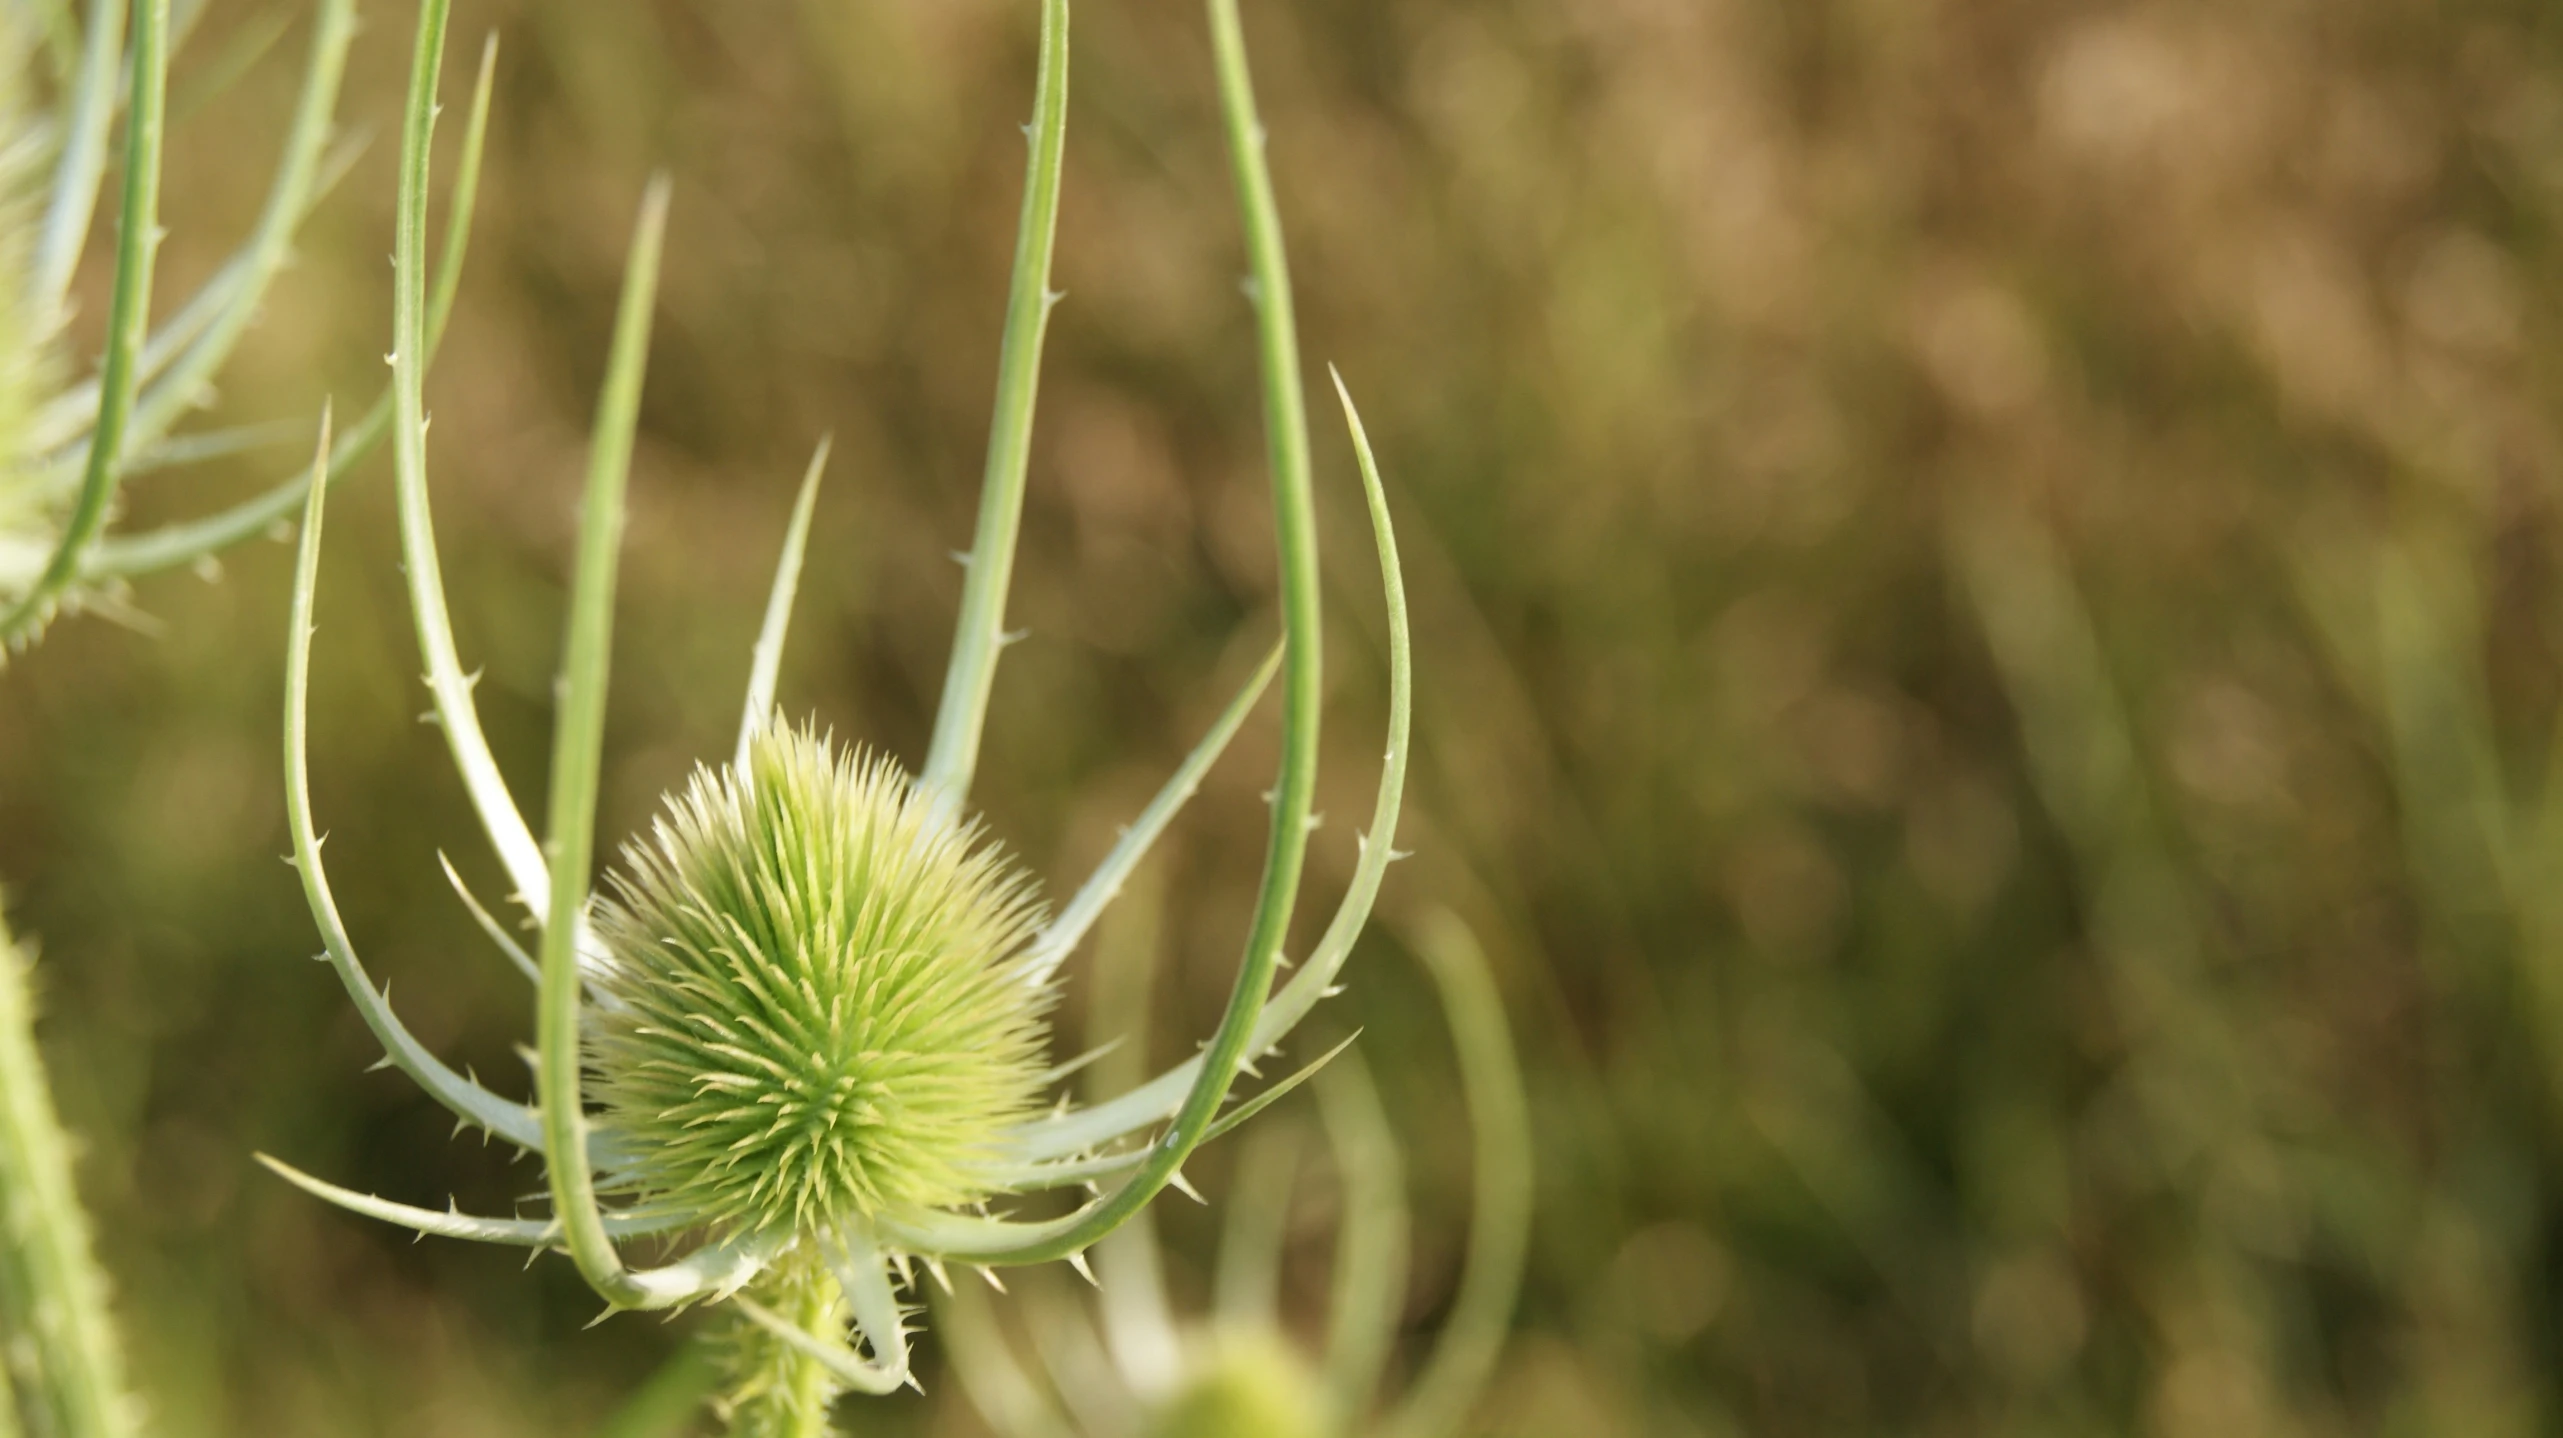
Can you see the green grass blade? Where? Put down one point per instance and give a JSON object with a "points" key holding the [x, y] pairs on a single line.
{"points": [[765, 666], [128, 319], [177, 545], [578, 741], [1499, 1229], [953, 756]]}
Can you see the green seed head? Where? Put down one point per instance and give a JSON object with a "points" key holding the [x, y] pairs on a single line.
{"points": [[1252, 1386], [816, 1006]]}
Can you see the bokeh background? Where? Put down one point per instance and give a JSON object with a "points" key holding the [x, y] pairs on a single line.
{"points": [[1991, 663]]}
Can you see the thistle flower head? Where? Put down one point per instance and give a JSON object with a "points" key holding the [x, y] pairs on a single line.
{"points": [[807, 1023], [817, 1005]]}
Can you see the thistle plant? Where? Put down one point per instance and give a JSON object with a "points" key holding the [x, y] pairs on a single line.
{"points": [[1127, 1367], [810, 1009], [66, 449]]}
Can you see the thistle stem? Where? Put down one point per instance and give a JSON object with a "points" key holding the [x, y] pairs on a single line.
{"points": [[577, 751], [128, 321], [980, 635], [1295, 532], [806, 1414], [60, 1338]]}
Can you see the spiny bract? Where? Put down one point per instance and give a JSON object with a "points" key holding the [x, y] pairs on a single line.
{"points": [[817, 1004]]}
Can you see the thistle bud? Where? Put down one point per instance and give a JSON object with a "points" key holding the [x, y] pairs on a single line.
{"points": [[815, 1006]]}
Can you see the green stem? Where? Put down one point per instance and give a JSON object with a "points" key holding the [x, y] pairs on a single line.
{"points": [[954, 755], [70, 1374], [128, 556], [578, 743], [772, 1388], [128, 318], [1295, 526], [811, 1392], [1203, 1082]]}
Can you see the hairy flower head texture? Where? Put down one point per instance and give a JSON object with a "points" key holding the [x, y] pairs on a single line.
{"points": [[801, 1035], [821, 1000]]}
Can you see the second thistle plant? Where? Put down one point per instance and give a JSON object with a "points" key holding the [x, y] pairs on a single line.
{"points": [[812, 1008], [67, 449]]}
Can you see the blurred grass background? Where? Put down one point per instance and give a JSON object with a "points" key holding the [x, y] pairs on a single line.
{"points": [[1989, 639]]}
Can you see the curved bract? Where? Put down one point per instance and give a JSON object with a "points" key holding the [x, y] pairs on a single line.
{"points": [[806, 1025], [1234, 1373], [67, 448]]}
